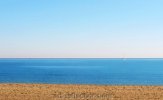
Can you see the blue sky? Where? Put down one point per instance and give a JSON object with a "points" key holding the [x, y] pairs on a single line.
{"points": [[81, 28]]}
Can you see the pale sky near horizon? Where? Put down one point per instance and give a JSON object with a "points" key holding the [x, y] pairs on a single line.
{"points": [[81, 28]]}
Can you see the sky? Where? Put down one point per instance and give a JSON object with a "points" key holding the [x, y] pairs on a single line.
{"points": [[81, 29]]}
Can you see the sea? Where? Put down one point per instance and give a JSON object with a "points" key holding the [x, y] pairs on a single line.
{"points": [[98, 71]]}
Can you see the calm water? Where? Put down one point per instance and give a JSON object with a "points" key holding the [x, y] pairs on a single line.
{"points": [[83, 71]]}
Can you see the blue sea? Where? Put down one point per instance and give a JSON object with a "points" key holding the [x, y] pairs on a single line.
{"points": [[82, 71]]}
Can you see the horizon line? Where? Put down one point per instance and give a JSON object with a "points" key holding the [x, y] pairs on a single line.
{"points": [[82, 58]]}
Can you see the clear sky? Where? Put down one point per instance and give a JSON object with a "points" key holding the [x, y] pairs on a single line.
{"points": [[81, 28]]}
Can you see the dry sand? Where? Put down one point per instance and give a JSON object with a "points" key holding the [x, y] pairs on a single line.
{"points": [[78, 92]]}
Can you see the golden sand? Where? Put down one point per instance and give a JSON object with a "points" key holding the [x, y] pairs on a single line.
{"points": [[78, 92]]}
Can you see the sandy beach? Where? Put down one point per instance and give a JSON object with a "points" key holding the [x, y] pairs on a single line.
{"points": [[79, 92]]}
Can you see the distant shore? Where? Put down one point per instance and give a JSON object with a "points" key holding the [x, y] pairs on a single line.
{"points": [[78, 92]]}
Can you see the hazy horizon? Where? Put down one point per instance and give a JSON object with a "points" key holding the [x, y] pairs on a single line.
{"points": [[81, 29]]}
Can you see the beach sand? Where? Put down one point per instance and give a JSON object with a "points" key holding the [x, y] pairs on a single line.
{"points": [[79, 92]]}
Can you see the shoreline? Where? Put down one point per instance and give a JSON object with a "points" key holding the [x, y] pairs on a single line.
{"points": [[25, 91]]}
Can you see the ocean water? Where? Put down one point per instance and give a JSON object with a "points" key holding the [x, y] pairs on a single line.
{"points": [[82, 71]]}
